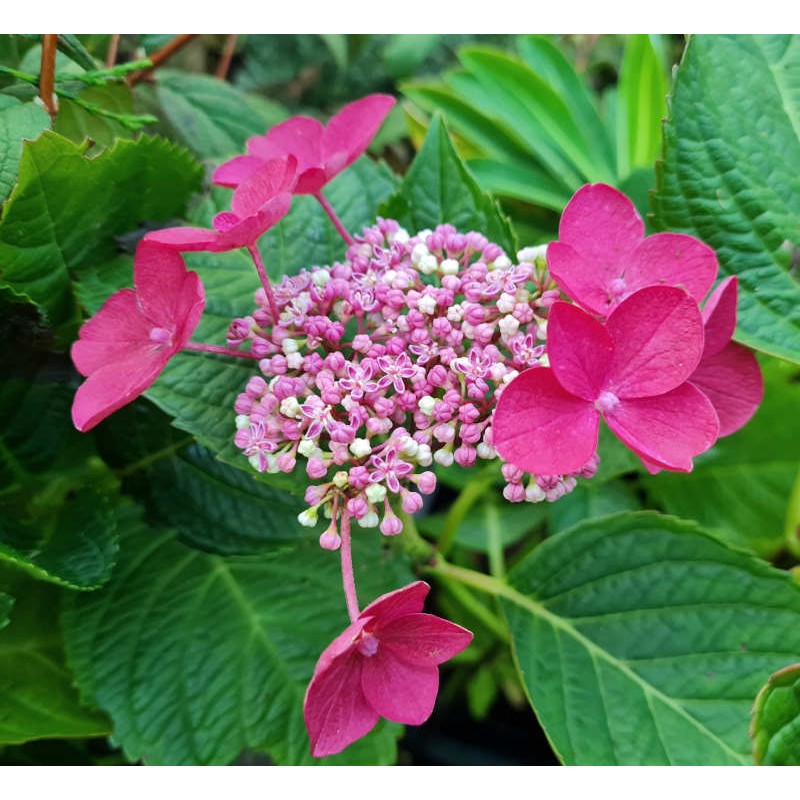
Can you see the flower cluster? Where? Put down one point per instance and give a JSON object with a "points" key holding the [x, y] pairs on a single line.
{"points": [[389, 362]]}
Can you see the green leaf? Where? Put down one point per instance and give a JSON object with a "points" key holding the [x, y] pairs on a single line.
{"points": [[741, 487], [208, 115], [62, 217], [70, 45], [59, 505], [196, 657], [406, 52], [642, 640], [775, 727], [76, 123], [590, 500], [18, 121], [527, 183], [642, 104], [37, 697], [439, 189], [731, 174], [6, 604]]}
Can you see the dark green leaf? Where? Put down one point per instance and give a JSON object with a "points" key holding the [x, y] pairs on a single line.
{"points": [[66, 210], [78, 124], [731, 174], [642, 640], [406, 52], [590, 500], [439, 189], [18, 121], [775, 728], [37, 697], [196, 657], [70, 45]]}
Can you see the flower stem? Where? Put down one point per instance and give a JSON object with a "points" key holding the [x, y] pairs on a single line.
{"points": [[463, 503], [228, 52], [161, 55], [47, 74], [262, 274], [348, 578], [221, 351], [337, 223]]}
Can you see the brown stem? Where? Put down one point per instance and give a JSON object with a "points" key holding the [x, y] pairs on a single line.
{"points": [[161, 55], [47, 74], [228, 52], [113, 50]]}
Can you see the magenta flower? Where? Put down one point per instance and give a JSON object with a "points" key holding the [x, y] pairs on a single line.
{"points": [[385, 664], [632, 371], [322, 151], [602, 256], [728, 373], [123, 348], [261, 201]]}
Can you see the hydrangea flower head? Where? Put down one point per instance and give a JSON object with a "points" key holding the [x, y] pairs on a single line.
{"points": [[322, 151], [384, 664], [602, 255], [123, 348], [259, 202], [632, 371]]}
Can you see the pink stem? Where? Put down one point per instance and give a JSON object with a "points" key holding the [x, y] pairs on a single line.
{"points": [[262, 273], [222, 351], [337, 223], [348, 578]]}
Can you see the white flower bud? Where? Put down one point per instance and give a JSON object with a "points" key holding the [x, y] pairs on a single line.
{"points": [[418, 253], [534, 493], [428, 264], [308, 448], [290, 407], [455, 313], [409, 447], [294, 361], [389, 276], [522, 295], [426, 404], [400, 235], [320, 277], [340, 479], [530, 254], [443, 457], [424, 457], [289, 346], [426, 304], [509, 376], [360, 447], [449, 267], [369, 520], [486, 451], [508, 326], [497, 371], [506, 303], [242, 421], [541, 330], [308, 518], [375, 492], [501, 262]]}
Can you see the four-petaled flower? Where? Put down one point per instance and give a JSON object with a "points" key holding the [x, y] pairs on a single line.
{"points": [[389, 468], [322, 151], [602, 256], [395, 369], [122, 349], [633, 371], [385, 664]]}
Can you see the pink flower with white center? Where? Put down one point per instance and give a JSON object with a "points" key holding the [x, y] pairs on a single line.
{"points": [[632, 371], [320, 415], [475, 369], [322, 151], [525, 350], [123, 348], [384, 664], [602, 255], [395, 369], [256, 441], [359, 379], [424, 352], [389, 469]]}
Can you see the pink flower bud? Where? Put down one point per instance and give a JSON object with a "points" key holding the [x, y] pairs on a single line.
{"points": [[330, 540], [243, 404], [285, 462], [256, 386], [438, 376], [358, 477], [412, 502], [316, 468], [391, 525], [358, 506], [511, 473], [465, 455], [426, 482], [514, 492]]}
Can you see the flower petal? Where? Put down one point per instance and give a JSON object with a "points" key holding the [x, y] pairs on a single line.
{"points": [[160, 278], [112, 334], [335, 709], [422, 639], [274, 177], [579, 349], [184, 240], [719, 316], [236, 171], [248, 231], [300, 137], [408, 600], [189, 309], [540, 427], [115, 385], [581, 279], [398, 691], [667, 430], [658, 341], [672, 259], [732, 381], [349, 133]]}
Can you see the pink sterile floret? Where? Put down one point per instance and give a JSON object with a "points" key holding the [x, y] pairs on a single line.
{"points": [[602, 256], [385, 664], [259, 202], [322, 151], [123, 348], [632, 371], [728, 373]]}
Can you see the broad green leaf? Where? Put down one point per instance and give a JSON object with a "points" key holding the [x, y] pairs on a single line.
{"points": [[438, 189], [197, 657], [527, 183], [78, 124], [208, 115], [59, 504], [66, 209], [405, 52], [642, 104], [741, 487], [37, 697], [775, 727], [590, 500], [337, 45], [547, 60], [18, 121], [642, 640], [731, 174]]}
